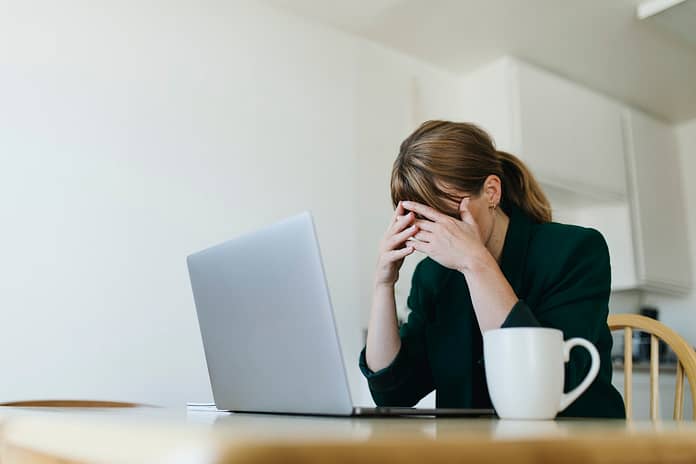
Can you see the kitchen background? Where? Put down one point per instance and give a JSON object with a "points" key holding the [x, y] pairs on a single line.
{"points": [[133, 133]]}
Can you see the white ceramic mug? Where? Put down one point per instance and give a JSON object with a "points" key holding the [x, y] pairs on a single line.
{"points": [[525, 370]]}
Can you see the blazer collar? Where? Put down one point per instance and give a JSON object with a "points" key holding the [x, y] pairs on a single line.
{"points": [[514, 256]]}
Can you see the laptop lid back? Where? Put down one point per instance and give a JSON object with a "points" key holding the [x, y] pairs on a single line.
{"points": [[267, 324]]}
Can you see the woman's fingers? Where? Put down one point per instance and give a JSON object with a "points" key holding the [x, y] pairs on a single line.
{"points": [[399, 211], [422, 247], [465, 213], [401, 253], [401, 237], [401, 223], [424, 224], [397, 232], [424, 236], [425, 211]]}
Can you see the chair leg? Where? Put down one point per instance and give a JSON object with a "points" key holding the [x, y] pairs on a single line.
{"points": [[679, 393], [628, 372], [654, 380]]}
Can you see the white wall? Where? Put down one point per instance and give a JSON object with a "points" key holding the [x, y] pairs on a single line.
{"points": [[680, 312], [133, 133]]}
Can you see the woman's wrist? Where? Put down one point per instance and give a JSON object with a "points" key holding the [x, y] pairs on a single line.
{"points": [[384, 286], [477, 261]]}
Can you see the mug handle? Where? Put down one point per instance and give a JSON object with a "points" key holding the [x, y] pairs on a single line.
{"points": [[568, 398]]}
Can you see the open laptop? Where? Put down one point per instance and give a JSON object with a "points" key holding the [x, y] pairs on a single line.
{"points": [[268, 327]]}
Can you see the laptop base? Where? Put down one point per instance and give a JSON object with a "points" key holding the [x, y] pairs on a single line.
{"points": [[437, 412]]}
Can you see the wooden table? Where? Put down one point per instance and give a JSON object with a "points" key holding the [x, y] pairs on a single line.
{"points": [[150, 435]]}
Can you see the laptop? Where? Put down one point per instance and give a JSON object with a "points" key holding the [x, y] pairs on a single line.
{"points": [[268, 327]]}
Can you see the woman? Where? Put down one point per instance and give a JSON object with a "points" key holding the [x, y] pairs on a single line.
{"points": [[494, 259]]}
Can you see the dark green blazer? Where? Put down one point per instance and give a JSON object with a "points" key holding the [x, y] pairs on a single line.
{"points": [[561, 274]]}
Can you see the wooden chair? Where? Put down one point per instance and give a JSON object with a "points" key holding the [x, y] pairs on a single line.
{"points": [[686, 364]]}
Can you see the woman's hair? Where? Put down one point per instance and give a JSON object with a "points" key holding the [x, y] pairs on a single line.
{"points": [[460, 156]]}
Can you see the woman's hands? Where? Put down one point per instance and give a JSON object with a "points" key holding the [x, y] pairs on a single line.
{"points": [[391, 249], [453, 243], [456, 244]]}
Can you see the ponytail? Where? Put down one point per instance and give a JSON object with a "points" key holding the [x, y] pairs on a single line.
{"points": [[521, 188]]}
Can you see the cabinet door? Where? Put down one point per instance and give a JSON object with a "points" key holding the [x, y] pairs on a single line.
{"points": [[613, 221], [570, 136], [658, 212]]}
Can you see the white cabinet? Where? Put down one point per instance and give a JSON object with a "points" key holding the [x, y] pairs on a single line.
{"points": [[601, 164], [568, 135], [659, 215], [613, 219]]}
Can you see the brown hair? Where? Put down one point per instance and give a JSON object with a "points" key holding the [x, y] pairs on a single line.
{"points": [[461, 156]]}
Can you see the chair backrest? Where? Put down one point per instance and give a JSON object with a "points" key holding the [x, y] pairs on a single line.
{"points": [[686, 361]]}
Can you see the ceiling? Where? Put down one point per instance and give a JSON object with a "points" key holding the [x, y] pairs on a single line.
{"points": [[599, 43], [679, 19]]}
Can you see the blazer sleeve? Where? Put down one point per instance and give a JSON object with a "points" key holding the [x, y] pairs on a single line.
{"points": [[576, 300], [408, 378]]}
